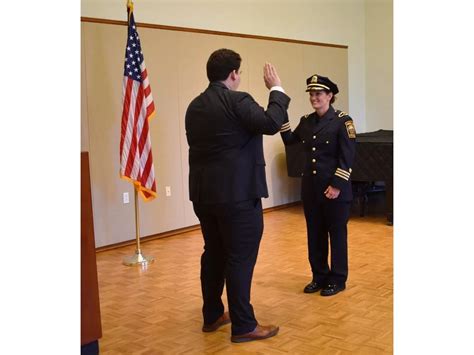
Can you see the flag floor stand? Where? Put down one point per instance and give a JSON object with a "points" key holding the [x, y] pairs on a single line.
{"points": [[138, 258]]}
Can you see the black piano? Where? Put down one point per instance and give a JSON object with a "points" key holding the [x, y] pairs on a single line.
{"points": [[373, 168]]}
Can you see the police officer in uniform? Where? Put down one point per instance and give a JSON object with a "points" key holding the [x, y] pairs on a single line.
{"points": [[328, 139]]}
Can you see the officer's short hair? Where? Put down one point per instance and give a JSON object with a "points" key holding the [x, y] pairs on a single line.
{"points": [[333, 98], [221, 63]]}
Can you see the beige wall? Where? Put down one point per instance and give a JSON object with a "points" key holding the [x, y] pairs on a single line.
{"points": [[379, 65], [338, 22], [327, 21], [84, 116], [176, 62]]}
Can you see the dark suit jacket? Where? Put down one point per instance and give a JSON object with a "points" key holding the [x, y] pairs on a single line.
{"points": [[224, 131]]}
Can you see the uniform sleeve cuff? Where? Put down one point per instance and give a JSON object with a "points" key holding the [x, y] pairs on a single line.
{"points": [[286, 127], [341, 177]]}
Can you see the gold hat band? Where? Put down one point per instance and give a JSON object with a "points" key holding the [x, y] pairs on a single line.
{"points": [[318, 85]]}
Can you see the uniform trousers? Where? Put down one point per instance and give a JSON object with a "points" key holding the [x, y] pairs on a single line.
{"points": [[326, 220], [232, 234]]}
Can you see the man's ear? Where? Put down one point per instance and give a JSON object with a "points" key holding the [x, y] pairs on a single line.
{"points": [[233, 75]]}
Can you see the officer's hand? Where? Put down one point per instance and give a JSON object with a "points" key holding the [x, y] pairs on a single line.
{"points": [[332, 192], [270, 76]]}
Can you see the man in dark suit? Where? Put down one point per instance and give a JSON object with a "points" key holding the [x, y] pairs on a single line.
{"points": [[224, 130]]}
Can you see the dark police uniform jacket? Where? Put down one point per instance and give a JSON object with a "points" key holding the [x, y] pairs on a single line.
{"points": [[224, 131], [322, 151]]}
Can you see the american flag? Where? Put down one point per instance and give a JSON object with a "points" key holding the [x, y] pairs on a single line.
{"points": [[136, 161]]}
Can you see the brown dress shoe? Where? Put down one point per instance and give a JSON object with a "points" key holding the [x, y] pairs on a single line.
{"points": [[260, 332], [222, 320]]}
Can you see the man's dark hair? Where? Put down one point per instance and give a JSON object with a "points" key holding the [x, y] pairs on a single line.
{"points": [[221, 63]]}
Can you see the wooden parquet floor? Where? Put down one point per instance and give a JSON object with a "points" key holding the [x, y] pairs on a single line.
{"points": [[158, 310]]}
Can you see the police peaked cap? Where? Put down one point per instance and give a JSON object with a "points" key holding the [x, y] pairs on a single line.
{"points": [[317, 82]]}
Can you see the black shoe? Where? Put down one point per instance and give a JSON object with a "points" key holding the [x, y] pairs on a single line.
{"points": [[312, 287], [332, 289]]}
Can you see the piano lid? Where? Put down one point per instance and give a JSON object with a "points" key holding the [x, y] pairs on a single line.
{"points": [[380, 136]]}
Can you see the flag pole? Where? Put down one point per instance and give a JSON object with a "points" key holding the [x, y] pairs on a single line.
{"points": [[138, 258]]}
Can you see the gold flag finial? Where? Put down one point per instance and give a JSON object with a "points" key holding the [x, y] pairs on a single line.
{"points": [[129, 8]]}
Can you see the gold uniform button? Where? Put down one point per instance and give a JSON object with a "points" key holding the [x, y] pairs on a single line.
{"points": [[314, 149], [314, 160], [302, 174], [327, 142], [314, 172], [303, 141], [314, 137]]}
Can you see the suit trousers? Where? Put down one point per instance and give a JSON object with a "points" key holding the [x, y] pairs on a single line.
{"points": [[326, 220], [232, 234]]}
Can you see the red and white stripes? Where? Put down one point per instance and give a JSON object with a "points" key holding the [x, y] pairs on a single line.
{"points": [[136, 160]]}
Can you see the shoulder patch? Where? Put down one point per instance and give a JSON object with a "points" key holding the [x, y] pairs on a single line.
{"points": [[351, 132]]}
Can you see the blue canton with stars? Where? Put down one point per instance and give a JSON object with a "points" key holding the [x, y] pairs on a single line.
{"points": [[133, 52]]}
